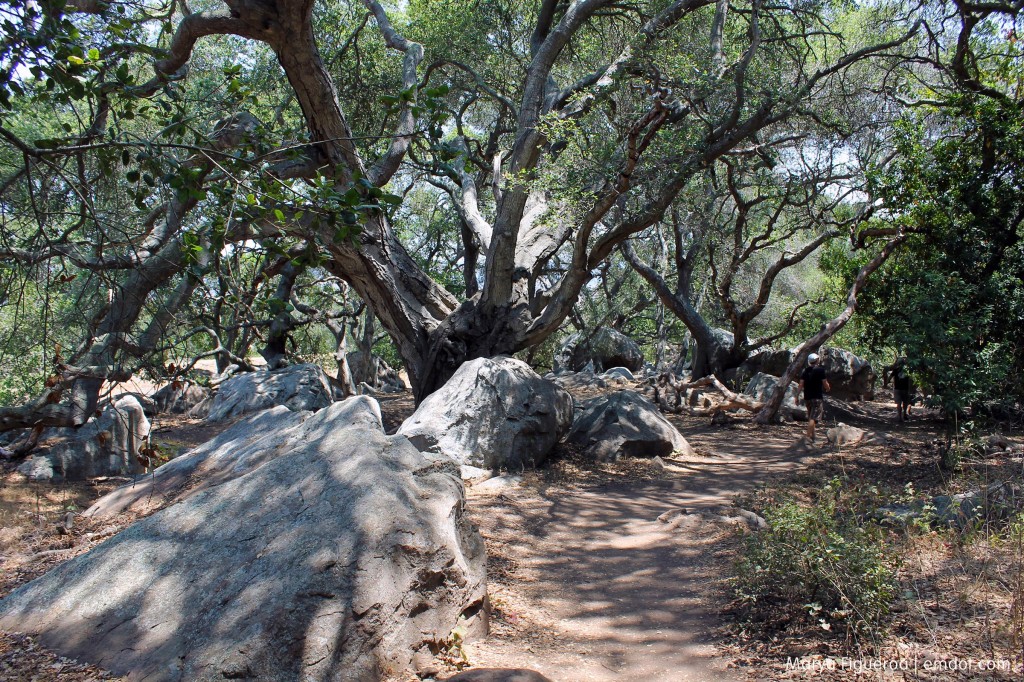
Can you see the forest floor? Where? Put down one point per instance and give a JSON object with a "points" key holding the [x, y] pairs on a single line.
{"points": [[585, 578], [587, 584]]}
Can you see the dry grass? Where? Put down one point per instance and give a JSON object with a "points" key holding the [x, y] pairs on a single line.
{"points": [[21, 659], [961, 592], [34, 539], [33, 517]]}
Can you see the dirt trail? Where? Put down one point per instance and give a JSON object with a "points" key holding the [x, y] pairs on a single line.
{"points": [[589, 585]]}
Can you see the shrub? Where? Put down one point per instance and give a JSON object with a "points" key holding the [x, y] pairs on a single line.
{"points": [[817, 566]]}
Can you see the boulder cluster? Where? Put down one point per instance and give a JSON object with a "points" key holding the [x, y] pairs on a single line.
{"points": [[304, 542]]}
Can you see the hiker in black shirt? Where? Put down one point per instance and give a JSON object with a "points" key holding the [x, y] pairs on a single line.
{"points": [[902, 387], [814, 384]]}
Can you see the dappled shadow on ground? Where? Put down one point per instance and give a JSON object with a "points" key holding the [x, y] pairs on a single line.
{"points": [[341, 555], [591, 586]]}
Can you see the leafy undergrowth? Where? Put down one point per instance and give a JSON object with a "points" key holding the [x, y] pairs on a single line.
{"points": [[830, 593], [816, 565]]}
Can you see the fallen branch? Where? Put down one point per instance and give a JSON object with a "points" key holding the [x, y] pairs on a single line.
{"points": [[666, 386], [735, 401]]}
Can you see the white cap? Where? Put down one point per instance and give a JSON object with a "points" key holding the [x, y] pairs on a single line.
{"points": [[813, 358]]}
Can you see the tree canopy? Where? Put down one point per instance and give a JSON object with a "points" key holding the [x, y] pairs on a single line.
{"points": [[182, 179]]}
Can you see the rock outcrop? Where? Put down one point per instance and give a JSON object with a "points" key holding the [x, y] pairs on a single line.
{"points": [[582, 380], [494, 413], [298, 387], [760, 388], [605, 348], [333, 553], [851, 377], [181, 398], [105, 446], [625, 424], [247, 444]]}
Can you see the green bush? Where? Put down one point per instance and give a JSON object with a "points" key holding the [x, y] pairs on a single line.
{"points": [[816, 566]]}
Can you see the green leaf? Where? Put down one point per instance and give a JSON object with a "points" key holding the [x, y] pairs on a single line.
{"points": [[94, 54], [351, 197]]}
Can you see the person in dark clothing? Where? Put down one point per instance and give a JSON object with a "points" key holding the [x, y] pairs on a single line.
{"points": [[814, 384], [902, 387]]}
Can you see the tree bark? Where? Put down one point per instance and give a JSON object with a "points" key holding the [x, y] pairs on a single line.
{"points": [[710, 354], [275, 351]]}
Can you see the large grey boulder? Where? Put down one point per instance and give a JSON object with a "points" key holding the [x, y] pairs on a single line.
{"points": [[605, 348], [180, 397], [577, 381], [773, 362], [851, 377], [149, 407], [298, 387], [338, 558], [495, 413], [994, 504], [247, 444], [997, 502], [105, 446], [760, 388], [619, 373], [625, 424]]}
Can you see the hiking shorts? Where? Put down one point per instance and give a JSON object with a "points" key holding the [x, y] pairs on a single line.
{"points": [[901, 397], [815, 409]]}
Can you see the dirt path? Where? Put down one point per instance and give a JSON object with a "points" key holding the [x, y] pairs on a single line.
{"points": [[589, 585]]}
